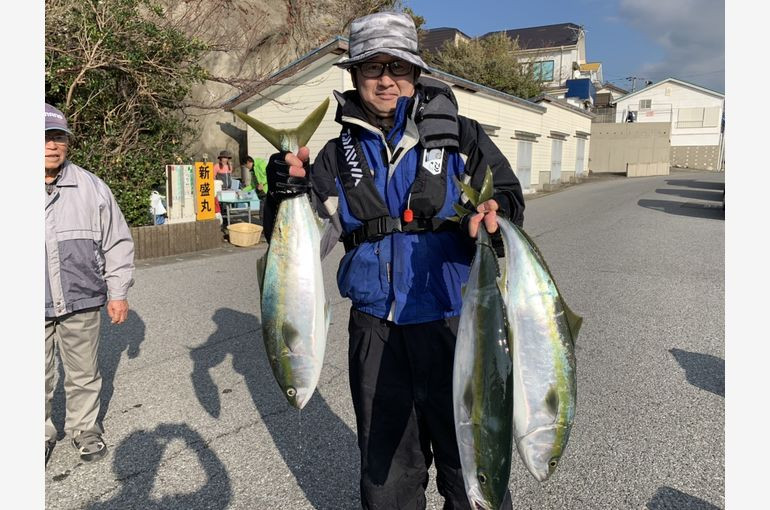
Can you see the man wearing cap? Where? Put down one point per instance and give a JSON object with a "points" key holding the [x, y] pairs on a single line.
{"points": [[389, 178], [89, 263]]}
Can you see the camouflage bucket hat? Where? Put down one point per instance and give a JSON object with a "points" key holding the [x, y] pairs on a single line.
{"points": [[392, 33]]}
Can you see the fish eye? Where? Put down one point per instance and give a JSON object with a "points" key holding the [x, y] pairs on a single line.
{"points": [[291, 392], [553, 462], [482, 478]]}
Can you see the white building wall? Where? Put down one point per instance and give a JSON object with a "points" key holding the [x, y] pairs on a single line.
{"points": [[667, 100], [508, 117], [561, 119], [286, 106], [562, 61]]}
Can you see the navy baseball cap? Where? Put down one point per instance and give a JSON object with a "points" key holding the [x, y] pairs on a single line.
{"points": [[55, 119]]}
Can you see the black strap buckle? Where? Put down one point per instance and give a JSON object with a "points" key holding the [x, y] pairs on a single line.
{"points": [[377, 228]]}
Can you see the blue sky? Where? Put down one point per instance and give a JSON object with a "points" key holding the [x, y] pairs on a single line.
{"points": [[653, 39]]}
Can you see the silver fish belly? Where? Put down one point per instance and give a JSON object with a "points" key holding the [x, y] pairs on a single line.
{"points": [[294, 312]]}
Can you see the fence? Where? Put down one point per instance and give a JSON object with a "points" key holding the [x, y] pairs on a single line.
{"points": [[175, 238]]}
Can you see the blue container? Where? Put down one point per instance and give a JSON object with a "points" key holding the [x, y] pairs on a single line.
{"points": [[581, 88]]}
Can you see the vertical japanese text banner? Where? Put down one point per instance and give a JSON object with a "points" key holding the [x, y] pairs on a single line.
{"points": [[204, 191]]}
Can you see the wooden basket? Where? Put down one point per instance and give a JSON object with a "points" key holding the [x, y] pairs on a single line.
{"points": [[244, 234]]}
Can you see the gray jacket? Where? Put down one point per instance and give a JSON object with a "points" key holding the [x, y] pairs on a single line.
{"points": [[88, 245]]}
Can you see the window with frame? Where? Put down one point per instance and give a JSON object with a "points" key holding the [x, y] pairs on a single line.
{"points": [[543, 70], [690, 118], [645, 104]]}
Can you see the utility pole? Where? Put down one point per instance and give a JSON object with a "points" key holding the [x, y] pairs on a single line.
{"points": [[633, 79]]}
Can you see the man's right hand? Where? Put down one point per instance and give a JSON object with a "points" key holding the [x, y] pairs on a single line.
{"points": [[287, 173]]}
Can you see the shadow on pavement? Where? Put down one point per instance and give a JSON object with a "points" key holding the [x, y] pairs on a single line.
{"points": [[702, 370], [137, 461], [693, 183], [713, 196], [316, 445], [667, 498], [708, 211], [114, 339]]}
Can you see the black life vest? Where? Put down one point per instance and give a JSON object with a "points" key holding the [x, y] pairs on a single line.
{"points": [[426, 195]]}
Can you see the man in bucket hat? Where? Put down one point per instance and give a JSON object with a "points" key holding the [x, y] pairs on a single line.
{"points": [[89, 264], [389, 182]]}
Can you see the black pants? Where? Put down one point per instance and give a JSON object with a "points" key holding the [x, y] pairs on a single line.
{"points": [[401, 382]]}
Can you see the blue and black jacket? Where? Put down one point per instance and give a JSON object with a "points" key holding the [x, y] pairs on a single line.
{"points": [[392, 195]]}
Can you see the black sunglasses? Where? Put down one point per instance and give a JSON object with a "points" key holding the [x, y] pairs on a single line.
{"points": [[376, 69]]}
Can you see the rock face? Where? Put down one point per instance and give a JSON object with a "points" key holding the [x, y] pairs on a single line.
{"points": [[251, 39]]}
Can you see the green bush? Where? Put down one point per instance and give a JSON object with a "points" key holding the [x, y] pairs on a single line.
{"points": [[120, 75]]}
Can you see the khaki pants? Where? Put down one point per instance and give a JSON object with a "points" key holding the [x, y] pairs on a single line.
{"points": [[77, 337]]}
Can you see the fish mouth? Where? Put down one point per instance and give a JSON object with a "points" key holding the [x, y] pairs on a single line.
{"points": [[478, 502], [300, 398]]}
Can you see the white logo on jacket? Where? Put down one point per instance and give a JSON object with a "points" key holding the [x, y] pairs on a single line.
{"points": [[352, 157], [432, 160]]}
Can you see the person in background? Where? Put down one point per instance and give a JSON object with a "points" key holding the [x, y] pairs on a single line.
{"points": [[89, 264], [223, 169], [157, 209], [388, 181], [259, 166]]}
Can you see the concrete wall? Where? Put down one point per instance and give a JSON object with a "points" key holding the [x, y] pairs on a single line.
{"points": [[669, 103], [702, 158], [637, 149]]}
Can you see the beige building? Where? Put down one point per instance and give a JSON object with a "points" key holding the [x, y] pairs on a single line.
{"points": [[545, 141], [694, 114]]}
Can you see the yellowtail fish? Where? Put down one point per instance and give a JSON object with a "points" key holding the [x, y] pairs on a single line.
{"points": [[295, 315]]}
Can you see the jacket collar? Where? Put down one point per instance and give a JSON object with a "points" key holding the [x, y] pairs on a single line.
{"points": [[67, 175]]}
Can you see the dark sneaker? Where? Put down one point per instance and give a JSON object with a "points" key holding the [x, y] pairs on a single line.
{"points": [[48, 450], [90, 446]]}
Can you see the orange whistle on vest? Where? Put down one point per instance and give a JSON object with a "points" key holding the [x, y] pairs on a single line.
{"points": [[408, 215]]}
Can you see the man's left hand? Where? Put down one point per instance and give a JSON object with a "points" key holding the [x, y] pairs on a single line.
{"points": [[486, 212], [117, 310]]}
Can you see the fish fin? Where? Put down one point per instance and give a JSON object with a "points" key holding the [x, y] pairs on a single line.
{"points": [[322, 224], [501, 280], [487, 188], [261, 264], [472, 194], [552, 401], [574, 321], [461, 211], [284, 139], [468, 398], [290, 336], [272, 135], [305, 130]]}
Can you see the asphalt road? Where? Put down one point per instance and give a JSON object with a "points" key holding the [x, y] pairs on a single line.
{"points": [[194, 419]]}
